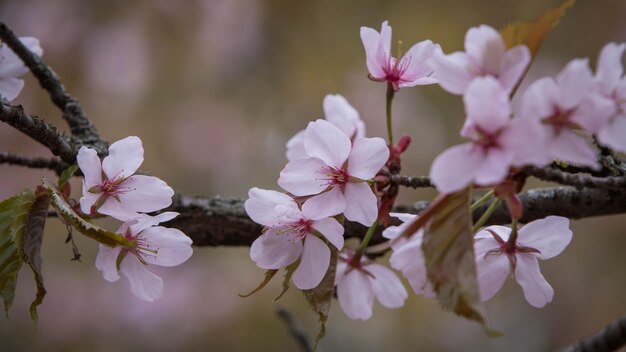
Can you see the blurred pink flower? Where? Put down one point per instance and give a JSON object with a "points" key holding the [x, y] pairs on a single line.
{"points": [[111, 188], [336, 173], [292, 234], [611, 83], [495, 259], [12, 67], [156, 245], [408, 71], [358, 284], [485, 55]]}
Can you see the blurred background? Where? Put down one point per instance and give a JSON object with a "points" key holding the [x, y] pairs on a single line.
{"points": [[215, 88]]}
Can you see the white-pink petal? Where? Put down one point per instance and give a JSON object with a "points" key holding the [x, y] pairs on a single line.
{"points": [[492, 269], [575, 82], [327, 142], [303, 177], [367, 157], [295, 147], [454, 168], [537, 290], [89, 163], [125, 157], [361, 203], [329, 203], [355, 295], [274, 251], [514, 63], [486, 47], [10, 87], [370, 38], [144, 221], [106, 262], [313, 263], [145, 193], [340, 113], [386, 285], [143, 283], [610, 69], [487, 104], [172, 246], [331, 229], [451, 71], [614, 133], [261, 203], [549, 235], [88, 199]]}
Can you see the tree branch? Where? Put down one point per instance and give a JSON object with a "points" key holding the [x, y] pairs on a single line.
{"points": [[578, 180], [80, 126], [294, 330], [411, 181], [34, 163], [611, 338]]}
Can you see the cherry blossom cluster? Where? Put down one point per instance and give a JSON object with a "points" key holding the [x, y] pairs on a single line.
{"points": [[111, 187]]}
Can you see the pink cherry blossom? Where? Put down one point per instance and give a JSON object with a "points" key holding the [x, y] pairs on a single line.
{"points": [[156, 245], [566, 104], [498, 142], [407, 256], [111, 188], [340, 113], [358, 284], [485, 55], [291, 234], [11, 67], [410, 70], [611, 83], [495, 259], [336, 173]]}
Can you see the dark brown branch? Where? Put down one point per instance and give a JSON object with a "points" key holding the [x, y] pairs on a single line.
{"points": [[611, 338], [412, 181], [221, 221], [34, 163], [578, 180], [80, 126], [294, 330], [39, 130]]}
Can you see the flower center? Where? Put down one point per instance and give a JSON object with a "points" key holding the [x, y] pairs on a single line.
{"points": [[334, 176], [486, 140], [560, 120]]}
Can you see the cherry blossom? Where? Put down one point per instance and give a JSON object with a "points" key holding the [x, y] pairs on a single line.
{"points": [[611, 84], [111, 188], [336, 173], [410, 70], [155, 245], [407, 256], [496, 259], [498, 142], [11, 67], [359, 282], [485, 55], [292, 234], [564, 105], [340, 113]]}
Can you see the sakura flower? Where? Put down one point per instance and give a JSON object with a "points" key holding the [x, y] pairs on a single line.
{"points": [[565, 104], [407, 256], [497, 141], [408, 71], [340, 113], [485, 55], [336, 173], [155, 245], [358, 282], [11, 67], [611, 83], [496, 259], [291, 234], [111, 188]]}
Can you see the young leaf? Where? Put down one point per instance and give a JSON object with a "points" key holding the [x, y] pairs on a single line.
{"points": [[66, 175], [88, 229], [287, 278], [321, 297], [268, 277], [13, 216], [532, 33], [31, 245], [449, 256]]}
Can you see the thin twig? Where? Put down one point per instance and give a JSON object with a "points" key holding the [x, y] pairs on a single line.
{"points": [[80, 126], [34, 163], [412, 181], [294, 330], [611, 338], [577, 180]]}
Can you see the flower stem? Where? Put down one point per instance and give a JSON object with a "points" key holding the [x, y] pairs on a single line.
{"points": [[366, 240], [486, 215], [390, 93], [482, 200], [510, 243]]}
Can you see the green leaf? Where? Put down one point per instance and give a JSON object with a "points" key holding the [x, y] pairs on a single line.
{"points": [[532, 33], [88, 229], [449, 256], [13, 217], [66, 175], [31, 247], [268, 277], [321, 297], [287, 278]]}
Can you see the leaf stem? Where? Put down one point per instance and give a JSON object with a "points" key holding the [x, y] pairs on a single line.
{"points": [[486, 215], [390, 93], [366, 240], [482, 200]]}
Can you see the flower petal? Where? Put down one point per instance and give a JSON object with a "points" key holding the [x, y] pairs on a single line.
{"points": [[613, 134], [355, 295], [145, 221], [540, 99], [537, 290], [455, 168], [417, 63], [303, 177], [610, 68], [574, 81], [570, 147], [143, 283], [88, 199], [106, 262], [514, 63], [550, 235], [172, 245], [487, 104], [409, 259], [313, 263], [145, 193], [387, 286], [125, 157], [486, 47], [361, 203], [261, 203], [274, 251], [117, 210], [331, 229], [370, 39], [295, 147], [326, 204], [340, 113], [452, 71], [492, 271], [10, 87], [367, 157], [324, 140], [89, 163]]}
